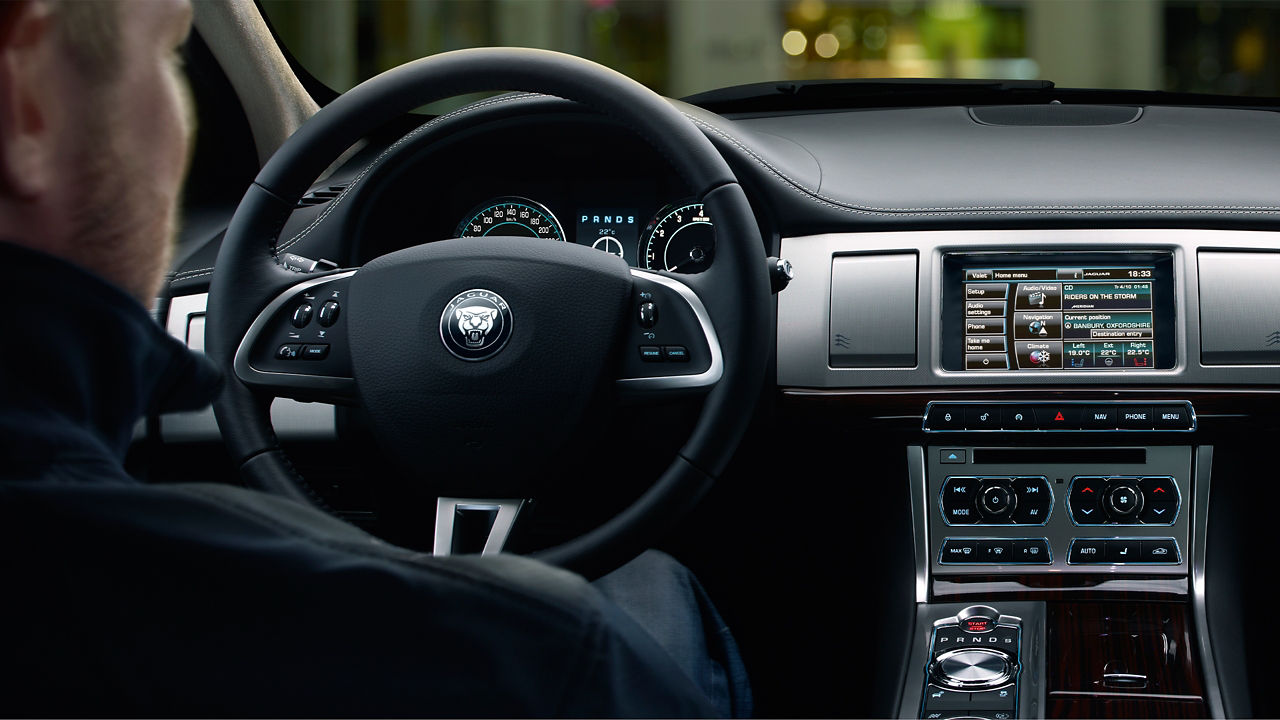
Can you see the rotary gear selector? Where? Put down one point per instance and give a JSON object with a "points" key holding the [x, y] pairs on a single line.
{"points": [[974, 663]]}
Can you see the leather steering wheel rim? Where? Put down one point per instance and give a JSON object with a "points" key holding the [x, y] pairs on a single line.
{"points": [[734, 290]]}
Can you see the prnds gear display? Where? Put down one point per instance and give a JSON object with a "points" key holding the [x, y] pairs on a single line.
{"points": [[1096, 313]]}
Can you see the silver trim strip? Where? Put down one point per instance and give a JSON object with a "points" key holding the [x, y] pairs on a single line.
{"points": [[1202, 468], [181, 308], [508, 511], [706, 378], [254, 376], [919, 489]]}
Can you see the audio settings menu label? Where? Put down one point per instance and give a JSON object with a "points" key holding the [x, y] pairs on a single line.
{"points": [[1058, 318]]}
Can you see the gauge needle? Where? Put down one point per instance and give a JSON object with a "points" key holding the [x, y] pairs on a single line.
{"points": [[695, 254]]}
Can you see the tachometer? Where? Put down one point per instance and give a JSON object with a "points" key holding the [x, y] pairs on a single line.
{"points": [[512, 217], [680, 238]]}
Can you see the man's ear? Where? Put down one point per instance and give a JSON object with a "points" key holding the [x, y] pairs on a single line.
{"points": [[26, 138]]}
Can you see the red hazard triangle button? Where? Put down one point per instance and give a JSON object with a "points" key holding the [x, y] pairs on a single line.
{"points": [[1058, 417]]}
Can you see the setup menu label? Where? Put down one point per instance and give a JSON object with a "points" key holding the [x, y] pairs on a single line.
{"points": [[1059, 318]]}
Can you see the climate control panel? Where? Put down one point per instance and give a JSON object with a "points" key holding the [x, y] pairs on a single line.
{"points": [[1019, 510]]}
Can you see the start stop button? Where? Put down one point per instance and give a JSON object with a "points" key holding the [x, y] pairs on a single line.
{"points": [[977, 625]]}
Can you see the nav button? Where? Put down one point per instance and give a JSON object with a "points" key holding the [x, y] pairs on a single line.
{"points": [[1098, 418]]}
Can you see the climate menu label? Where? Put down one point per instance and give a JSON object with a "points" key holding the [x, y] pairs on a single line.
{"points": [[1059, 318]]}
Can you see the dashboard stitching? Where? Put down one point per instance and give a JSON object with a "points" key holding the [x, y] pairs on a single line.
{"points": [[192, 274], [821, 199]]}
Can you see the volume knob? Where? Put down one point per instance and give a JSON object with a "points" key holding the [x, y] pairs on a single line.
{"points": [[972, 669]]}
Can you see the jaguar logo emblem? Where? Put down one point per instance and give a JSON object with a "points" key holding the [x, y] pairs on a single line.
{"points": [[476, 324]]}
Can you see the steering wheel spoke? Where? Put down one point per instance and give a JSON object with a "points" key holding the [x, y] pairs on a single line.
{"points": [[299, 346], [471, 525], [670, 344]]}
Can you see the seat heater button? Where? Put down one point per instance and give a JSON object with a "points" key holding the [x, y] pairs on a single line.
{"points": [[650, 353], [329, 313], [315, 352], [675, 353], [289, 351], [1124, 551], [301, 315]]}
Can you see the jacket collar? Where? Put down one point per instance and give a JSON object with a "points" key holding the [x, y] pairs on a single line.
{"points": [[81, 362]]}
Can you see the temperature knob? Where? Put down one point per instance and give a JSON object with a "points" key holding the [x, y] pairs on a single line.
{"points": [[1123, 501]]}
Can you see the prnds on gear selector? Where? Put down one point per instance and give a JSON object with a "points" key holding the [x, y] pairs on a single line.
{"points": [[973, 666]]}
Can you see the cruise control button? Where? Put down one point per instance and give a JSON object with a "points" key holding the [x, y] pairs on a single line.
{"points": [[289, 351], [315, 352], [1136, 418], [1123, 551], [1017, 417], [961, 550], [1172, 417], [648, 315], [958, 496], [1086, 500], [1160, 550], [982, 417], [945, 417], [1099, 418], [1058, 417], [650, 353], [675, 353], [940, 698], [1035, 551], [1087, 552]]}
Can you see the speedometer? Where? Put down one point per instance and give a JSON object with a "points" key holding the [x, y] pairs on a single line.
{"points": [[512, 217], [680, 238]]}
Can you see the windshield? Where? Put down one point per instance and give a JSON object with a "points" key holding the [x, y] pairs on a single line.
{"points": [[682, 47]]}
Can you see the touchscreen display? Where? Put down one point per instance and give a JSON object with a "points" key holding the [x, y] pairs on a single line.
{"points": [[1060, 318]]}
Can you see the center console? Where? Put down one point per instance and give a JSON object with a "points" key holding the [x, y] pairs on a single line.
{"points": [[1058, 394]]}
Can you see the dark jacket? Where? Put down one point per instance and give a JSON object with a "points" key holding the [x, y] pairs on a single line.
{"points": [[125, 598]]}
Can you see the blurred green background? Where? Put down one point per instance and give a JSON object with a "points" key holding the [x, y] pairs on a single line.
{"points": [[680, 47]]}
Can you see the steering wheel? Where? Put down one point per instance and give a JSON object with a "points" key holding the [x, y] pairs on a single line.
{"points": [[470, 356]]}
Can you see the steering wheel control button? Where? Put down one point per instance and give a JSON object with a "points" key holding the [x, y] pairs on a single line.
{"points": [[1160, 550], [315, 352], [1058, 417], [945, 417], [289, 351], [962, 551], [1086, 500], [476, 324], [1122, 501], [996, 500], [675, 353], [1136, 418], [329, 313], [1034, 500], [1098, 417], [302, 315], [1087, 551], [958, 500], [650, 353], [1018, 417], [982, 417], [1032, 552], [648, 315]]}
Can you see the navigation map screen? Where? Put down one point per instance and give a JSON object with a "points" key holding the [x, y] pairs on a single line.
{"points": [[1079, 316]]}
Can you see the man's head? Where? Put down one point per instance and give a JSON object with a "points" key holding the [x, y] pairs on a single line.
{"points": [[95, 131]]}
